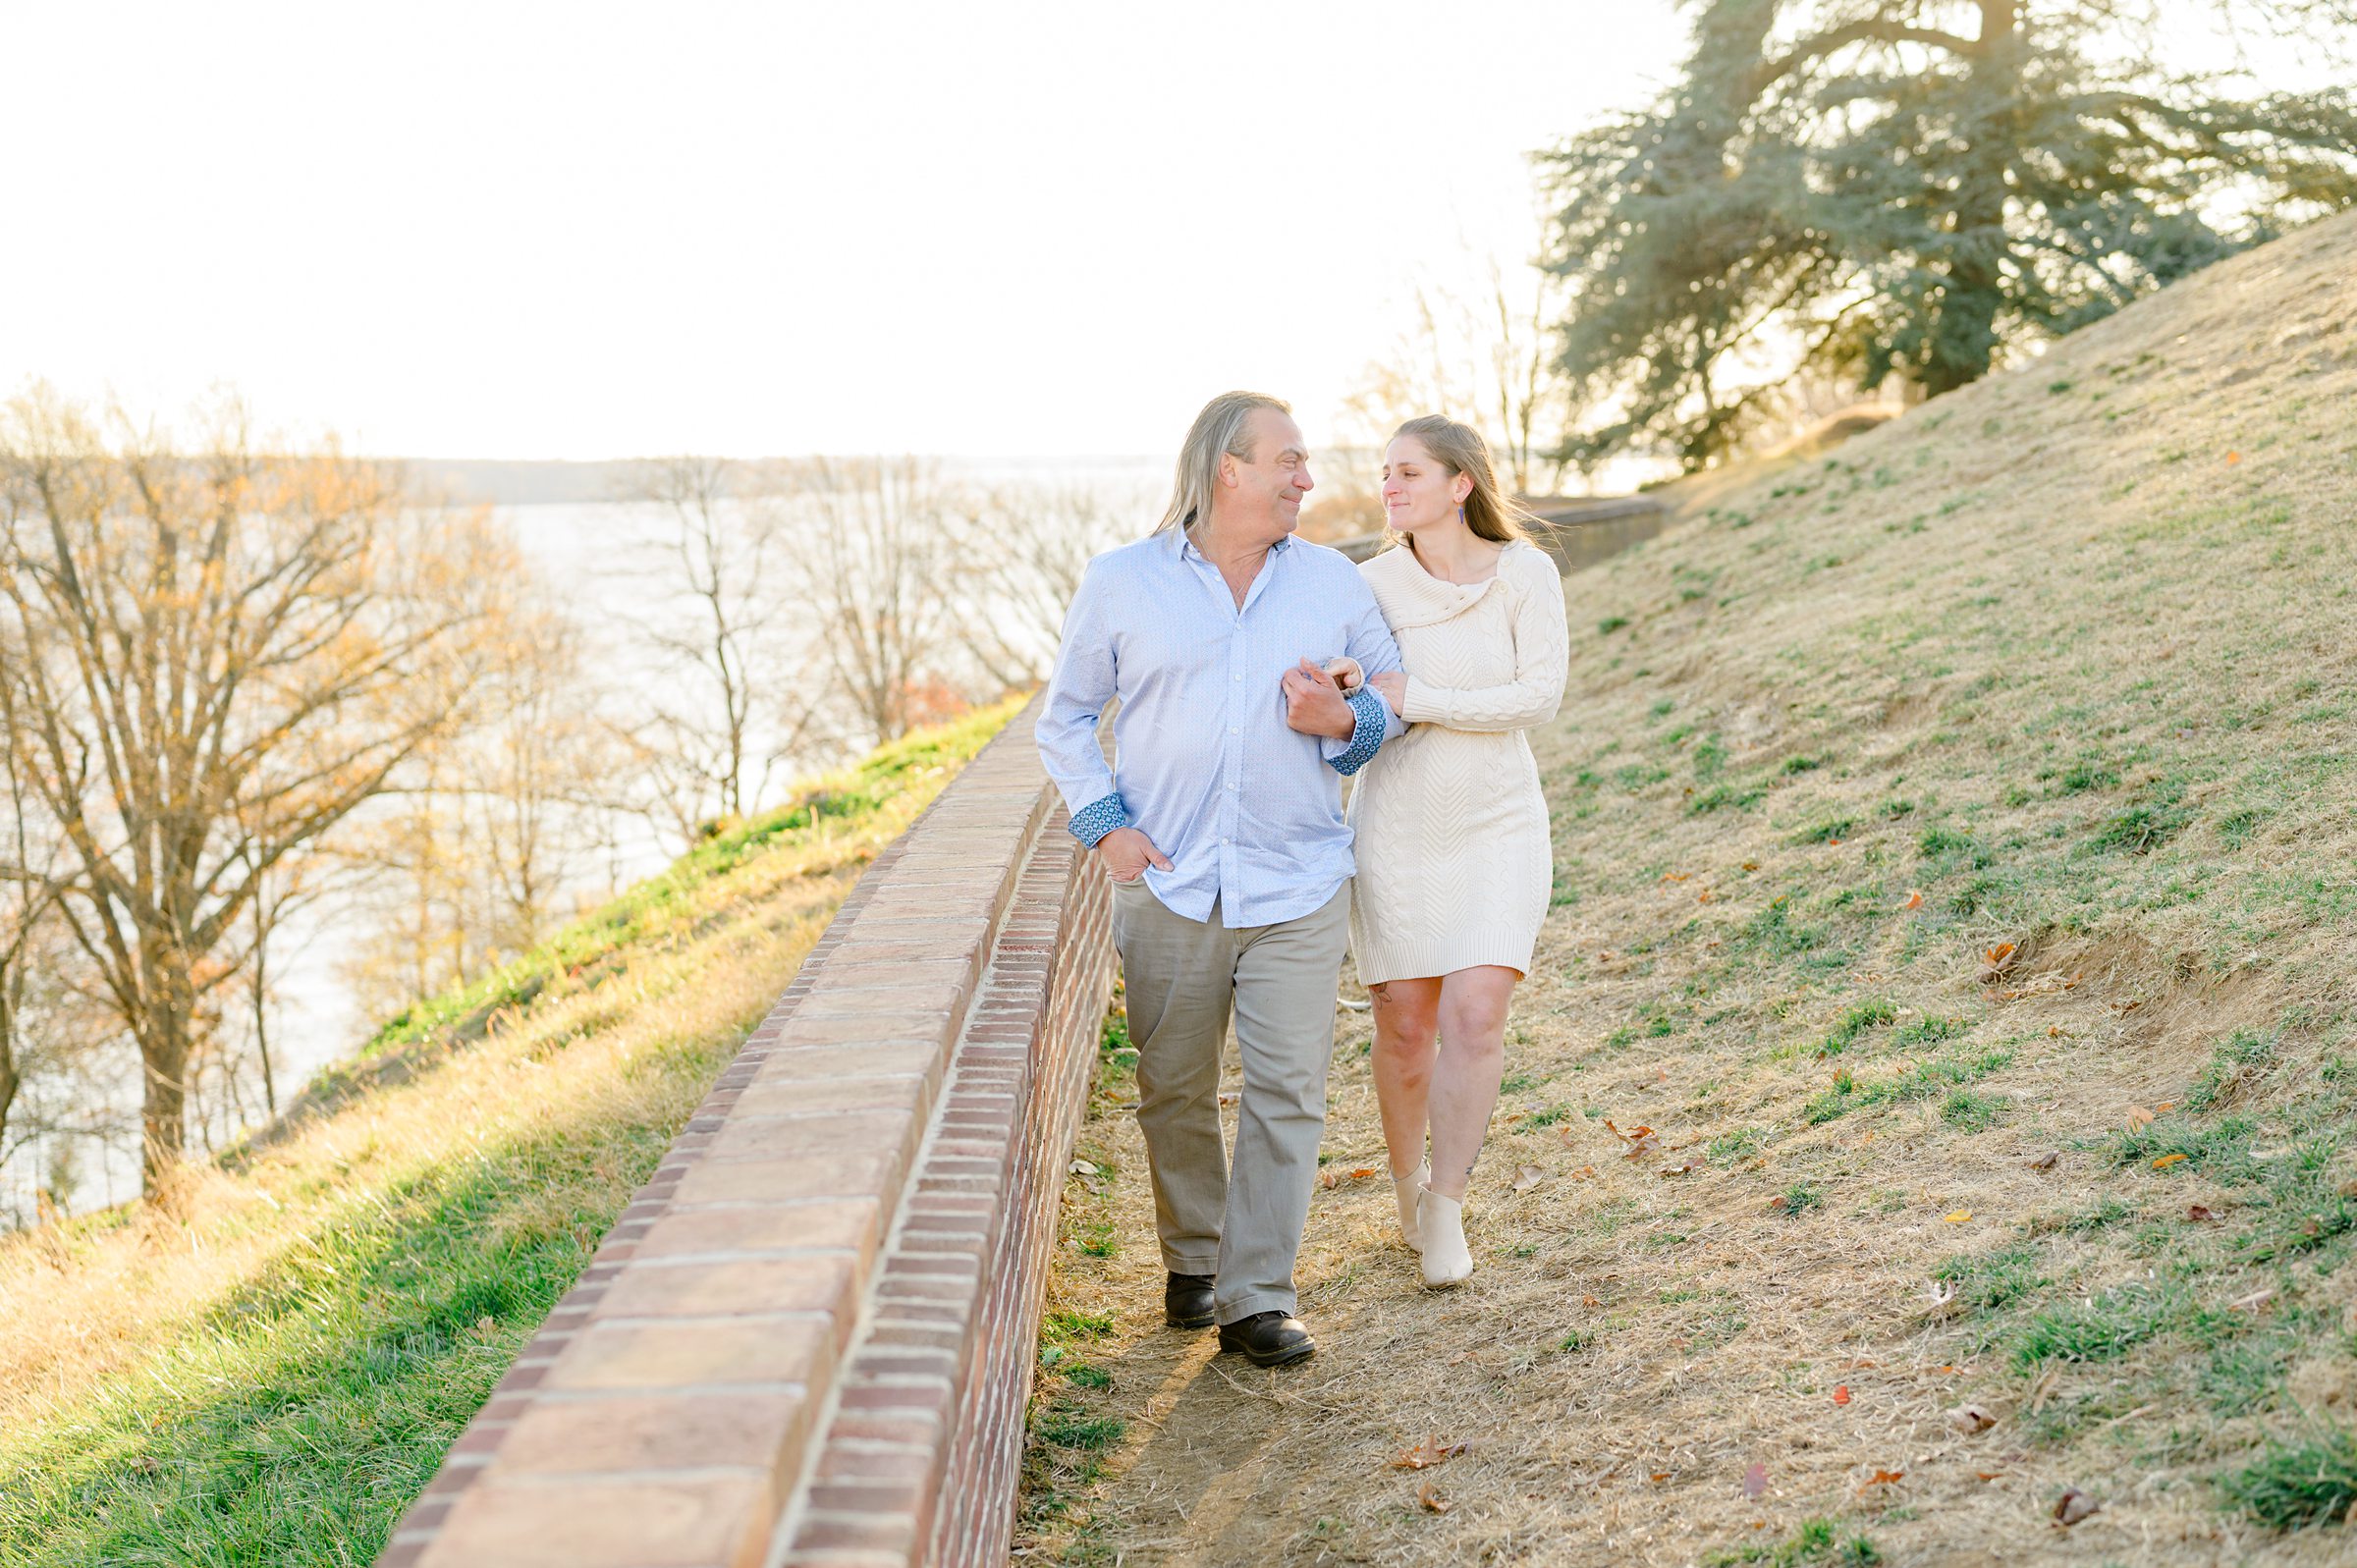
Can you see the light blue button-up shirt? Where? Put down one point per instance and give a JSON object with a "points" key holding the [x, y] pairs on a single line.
{"points": [[1248, 810]]}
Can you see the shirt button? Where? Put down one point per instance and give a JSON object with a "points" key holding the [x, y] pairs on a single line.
{"points": [[1227, 840], [1239, 674]]}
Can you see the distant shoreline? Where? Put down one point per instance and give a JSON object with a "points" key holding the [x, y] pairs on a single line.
{"points": [[526, 482]]}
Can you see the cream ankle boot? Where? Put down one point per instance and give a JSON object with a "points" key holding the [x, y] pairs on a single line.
{"points": [[1403, 1192], [1440, 1222]]}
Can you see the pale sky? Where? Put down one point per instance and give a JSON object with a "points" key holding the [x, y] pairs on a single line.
{"points": [[586, 231]]}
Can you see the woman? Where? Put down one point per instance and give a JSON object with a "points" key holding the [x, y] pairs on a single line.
{"points": [[1454, 867]]}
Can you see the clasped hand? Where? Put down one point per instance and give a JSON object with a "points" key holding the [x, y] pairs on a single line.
{"points": [[1314, 705]]}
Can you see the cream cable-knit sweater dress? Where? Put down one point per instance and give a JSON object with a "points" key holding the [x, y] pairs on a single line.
{"points": [[1455, 864]]}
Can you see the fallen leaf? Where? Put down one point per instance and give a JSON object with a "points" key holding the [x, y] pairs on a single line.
{"points": [[1660, 1476], [2253, 1302], [1755, 1480], [1361, 1173], [1914, 898], [2167, 1160], [1229, 1100], [1584, 1172], [1081, 1168], [1958, 1217], [2234, 457], [1751, 865], [2072, 1506], [1940, 1294], [2138, 1118], [2046, 1161], [2201, 1212], [2163, 1108], [1970, 1419], [1430, 1452], [1590, 1301], [1528, 1177], [1841, 1394], [1986, 1475], [1330, 1178], [1703, 897], [1675, 876], [1883, 1478], [1433, 1502], [1683, 1163]]}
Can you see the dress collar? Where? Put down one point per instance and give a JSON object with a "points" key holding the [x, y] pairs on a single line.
{"points": [[1414, 597]]}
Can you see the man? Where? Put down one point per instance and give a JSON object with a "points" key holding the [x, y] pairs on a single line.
{"points": [[1223, 834]]}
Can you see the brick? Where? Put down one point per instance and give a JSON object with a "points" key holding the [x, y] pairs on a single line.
{"points": [[625, 1433], [898, 1425], [870, 1027], [848, 1224], [906, 1092], [815, 1283], [607, 1355], [709, 1521], [792, 1177], [844, 1133], [830, 1533]]}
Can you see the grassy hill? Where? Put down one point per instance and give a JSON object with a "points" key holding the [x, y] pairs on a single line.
{"points": [[268, 1368], [1956, 870]]}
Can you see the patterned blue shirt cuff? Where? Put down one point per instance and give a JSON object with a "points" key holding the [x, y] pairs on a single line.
{"points": [[1100, 817], [1365, 735]]}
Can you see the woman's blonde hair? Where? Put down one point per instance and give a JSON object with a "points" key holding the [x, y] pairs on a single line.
{"points": [[1218, 431], [1460, 448]]}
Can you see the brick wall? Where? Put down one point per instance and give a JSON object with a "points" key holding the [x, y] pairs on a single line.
{"points": [[808, 1339]]}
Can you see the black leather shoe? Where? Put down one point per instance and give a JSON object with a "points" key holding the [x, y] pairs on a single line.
{"points": [[1270, 1339], [1186, 1301]]}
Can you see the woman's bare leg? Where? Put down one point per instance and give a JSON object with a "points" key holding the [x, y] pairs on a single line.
{"points": [[1406, 1024], [1461, 1088]]}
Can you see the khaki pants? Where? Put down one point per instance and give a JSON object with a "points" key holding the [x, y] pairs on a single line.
{"points": [[1240, 1224]]}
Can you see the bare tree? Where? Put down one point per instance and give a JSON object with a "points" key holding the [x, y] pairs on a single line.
{"points": [[476, 857], [29, 893], [716, 617], [227, 649], [877, 546], [1475, 348], [1020, 554]]}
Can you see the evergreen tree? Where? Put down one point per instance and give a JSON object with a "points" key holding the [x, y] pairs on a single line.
{"points": [[1865, 187]]}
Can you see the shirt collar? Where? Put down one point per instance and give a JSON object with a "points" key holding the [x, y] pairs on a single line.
{"points": [[1188, 552]]}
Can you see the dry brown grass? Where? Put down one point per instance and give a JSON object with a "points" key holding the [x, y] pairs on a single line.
{"points": [[2089, 622]]}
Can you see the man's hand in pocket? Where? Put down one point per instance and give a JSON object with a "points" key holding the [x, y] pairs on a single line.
{"points": [[1127, 853]]}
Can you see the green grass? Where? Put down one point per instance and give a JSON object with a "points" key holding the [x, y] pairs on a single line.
{"points": [[306, 1398], [1799, 1198], [1814, 1543], [319, 1400], [2100, 1329], [1996, 1280], [2309, 1480], [1875, 1012]]}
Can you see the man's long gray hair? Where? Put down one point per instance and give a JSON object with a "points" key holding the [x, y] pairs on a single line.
{"points": [[1218, 431]]}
